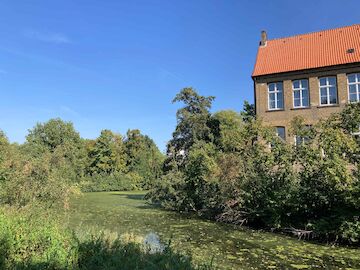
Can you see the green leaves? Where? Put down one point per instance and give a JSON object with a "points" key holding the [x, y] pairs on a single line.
{"points": [[236, 169], [107, 154], [192, 120], [53, 133], [143, 157]]}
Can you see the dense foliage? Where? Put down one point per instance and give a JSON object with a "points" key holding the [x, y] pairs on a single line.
{"points": [[37, 181], [144, 160], [121, 163], [230, 167], [56, 150]]}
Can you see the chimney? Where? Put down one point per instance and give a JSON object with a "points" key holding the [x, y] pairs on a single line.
{"points": [[263, 38]]}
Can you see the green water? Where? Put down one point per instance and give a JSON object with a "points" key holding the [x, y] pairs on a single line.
{"points": [[230, 248]]}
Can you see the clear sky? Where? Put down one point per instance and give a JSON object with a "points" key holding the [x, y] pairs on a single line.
{"points": [[117, 64]]}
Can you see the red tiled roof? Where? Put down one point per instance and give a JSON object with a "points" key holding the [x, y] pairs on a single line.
{"points": [[313, 50]]}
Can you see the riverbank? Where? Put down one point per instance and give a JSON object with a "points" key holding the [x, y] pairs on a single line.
{"points": [[230, 248]]}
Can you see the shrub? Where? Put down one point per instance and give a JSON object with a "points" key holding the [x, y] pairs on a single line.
{"points": [[32, 243], [35, 182], [169, 192], [351, 231], [110, 182]]}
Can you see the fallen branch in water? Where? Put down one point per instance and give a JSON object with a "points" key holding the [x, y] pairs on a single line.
{"points": [[233, 217], [301, 234]]}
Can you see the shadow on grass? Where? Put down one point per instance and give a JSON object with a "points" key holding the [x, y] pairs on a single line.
{"points": [[138, 197]]}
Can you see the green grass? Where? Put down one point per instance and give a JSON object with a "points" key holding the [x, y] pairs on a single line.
{"points": [[231, 248]]}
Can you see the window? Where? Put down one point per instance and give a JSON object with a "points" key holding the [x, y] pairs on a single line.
{"points": [[299, 140], [328, 92], [280, 131], [354, 87], [301, 93], [303, 137], [276, 98]]}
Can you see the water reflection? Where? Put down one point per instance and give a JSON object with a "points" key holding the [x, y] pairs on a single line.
{"points": [[152, 243]]}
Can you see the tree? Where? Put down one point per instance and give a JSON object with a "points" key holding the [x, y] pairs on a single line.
{"points": [[192, 122], [4, 154], [248, 112], [107, 155], [53, 133], [60, 139], [142, 157], [227, 129], [235, 169]]}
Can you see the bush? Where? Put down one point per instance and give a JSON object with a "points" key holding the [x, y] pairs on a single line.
{"points": [[169, 192], [35, 182], [351, 231], [29, 243], [110, 182]]}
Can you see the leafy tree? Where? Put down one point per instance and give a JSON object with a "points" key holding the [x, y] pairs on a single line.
{"points": [[248, 112], [200, 177], [227, 129], [234, 169], [4, 154], [53, 134], [61, 140], [350, 118], [107, 155], [192, 122], [34, 180], [142, 157]]}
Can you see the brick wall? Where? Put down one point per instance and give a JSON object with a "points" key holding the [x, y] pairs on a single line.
{"points": [[315, 111]]}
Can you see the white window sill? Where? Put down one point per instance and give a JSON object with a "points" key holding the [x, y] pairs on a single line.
{"points": [[328, 105]]}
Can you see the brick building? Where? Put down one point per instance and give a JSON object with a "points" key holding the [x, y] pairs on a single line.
{"points": [[311, 75]]}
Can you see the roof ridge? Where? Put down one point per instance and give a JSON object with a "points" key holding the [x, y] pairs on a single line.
{"points": [[308, 51], [315, 32]]}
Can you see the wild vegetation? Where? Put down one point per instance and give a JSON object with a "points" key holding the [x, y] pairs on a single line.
{"points": [[28, 242], [228, 166], [225, 166], [37, 182], [123, 163]]}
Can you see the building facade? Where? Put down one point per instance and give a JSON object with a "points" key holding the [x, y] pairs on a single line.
{"points": [[311, 75]]}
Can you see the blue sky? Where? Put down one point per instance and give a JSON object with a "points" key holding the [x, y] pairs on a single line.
{"points": [[117, 64]]}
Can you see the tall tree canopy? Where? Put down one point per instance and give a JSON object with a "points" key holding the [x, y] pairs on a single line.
{"points": [[192, 121], [143, 156], [107, 154], [248, 112], [54, 133], [62, 141]]}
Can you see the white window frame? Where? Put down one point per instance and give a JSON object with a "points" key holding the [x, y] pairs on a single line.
{"points": [[357, 84], [303, 139], [301, 89], [327, 87], [276, 92], [277, 133]]}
